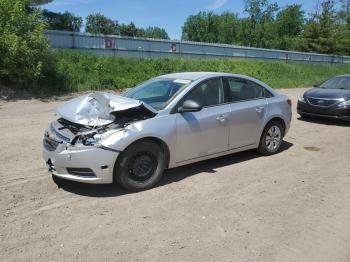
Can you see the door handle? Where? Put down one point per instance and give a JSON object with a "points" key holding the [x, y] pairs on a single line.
{"points": [[259, 109], [221, 118]]}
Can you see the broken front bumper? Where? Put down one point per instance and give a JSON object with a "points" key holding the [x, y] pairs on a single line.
{"points": [[83, 164]]}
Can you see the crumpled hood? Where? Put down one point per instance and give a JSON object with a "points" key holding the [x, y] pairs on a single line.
{"points": [[97, 108]]}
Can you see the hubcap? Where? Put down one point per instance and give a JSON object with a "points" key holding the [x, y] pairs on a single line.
{"points": [[273, 138], [142, 166]]}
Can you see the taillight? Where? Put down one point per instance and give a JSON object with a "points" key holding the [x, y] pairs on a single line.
{"points": [[289, 102]]}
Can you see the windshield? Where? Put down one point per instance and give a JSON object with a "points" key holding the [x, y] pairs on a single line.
{"points": [[158, 92], [339, 82]]}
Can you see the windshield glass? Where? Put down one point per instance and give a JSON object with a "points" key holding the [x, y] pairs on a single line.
{"points": [[340, 82], [158, 92]]}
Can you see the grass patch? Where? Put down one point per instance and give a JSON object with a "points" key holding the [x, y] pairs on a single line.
{"points": [[76, 71]]}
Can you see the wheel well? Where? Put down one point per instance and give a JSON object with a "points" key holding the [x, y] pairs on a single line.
{"points": [[159, 142], [280, 120]]}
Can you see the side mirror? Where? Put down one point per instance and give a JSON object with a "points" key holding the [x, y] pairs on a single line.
{"points": [[316, 85], [190, 106]]}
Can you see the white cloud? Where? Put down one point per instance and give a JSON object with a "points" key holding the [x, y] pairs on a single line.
{"points": [[216, 4]]}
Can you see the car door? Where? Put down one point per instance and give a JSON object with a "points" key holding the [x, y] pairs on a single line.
{"points": [[248, 111], [204, 132]]}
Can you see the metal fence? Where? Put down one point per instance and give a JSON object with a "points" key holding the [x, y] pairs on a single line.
{"points": [[113, 45]]}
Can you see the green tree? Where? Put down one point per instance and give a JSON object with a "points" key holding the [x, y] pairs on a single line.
{"points": [[39, 2], [23, 47], [260, 10], [343, 33], [131, 30], [257, 29], [289, 25], [100, 24], [319, 33], [210, 27], [227, 28], [156, 32], [62, 21], [195, 28], [344, 12], [343, 40], [290, 20]]}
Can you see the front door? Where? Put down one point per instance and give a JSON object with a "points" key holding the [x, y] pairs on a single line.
{"points": [[205, 132]]}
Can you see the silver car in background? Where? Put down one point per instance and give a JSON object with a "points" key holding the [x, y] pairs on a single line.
{"points": [[168, 121]]}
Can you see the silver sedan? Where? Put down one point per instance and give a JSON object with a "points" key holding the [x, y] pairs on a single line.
{"points": [[165, 122]]}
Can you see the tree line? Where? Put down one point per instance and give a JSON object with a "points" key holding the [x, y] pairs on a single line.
{"points": [[27, 59], [265, 25], [326, 30], [100, 24]]}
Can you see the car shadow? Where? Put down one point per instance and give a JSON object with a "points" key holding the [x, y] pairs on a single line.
{"points": [[171, 176], [324, 121]]}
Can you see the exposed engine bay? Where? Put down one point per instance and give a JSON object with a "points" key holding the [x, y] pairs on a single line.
{"points": [[90, 118]]}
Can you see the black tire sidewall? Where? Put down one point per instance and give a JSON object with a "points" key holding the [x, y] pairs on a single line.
{"points": [[121, 171]]}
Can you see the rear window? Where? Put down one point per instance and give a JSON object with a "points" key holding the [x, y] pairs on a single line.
{"points": [[243, 90]]}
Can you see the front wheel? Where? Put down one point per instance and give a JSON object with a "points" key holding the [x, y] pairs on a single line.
{"points": [[271, 138], [140, 166]]}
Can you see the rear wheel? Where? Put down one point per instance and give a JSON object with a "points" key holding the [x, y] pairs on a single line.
{"points": [[140, 166], [271, 139]]}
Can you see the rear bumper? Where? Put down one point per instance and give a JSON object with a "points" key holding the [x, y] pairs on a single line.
{"points": [[337, 112], [288, 123], [100, 162]]}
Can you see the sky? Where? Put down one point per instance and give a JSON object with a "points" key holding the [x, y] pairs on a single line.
{"points": [[168, 14]]}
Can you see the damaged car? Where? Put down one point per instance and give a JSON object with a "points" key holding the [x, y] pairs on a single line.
{"points": [[165, 122]]}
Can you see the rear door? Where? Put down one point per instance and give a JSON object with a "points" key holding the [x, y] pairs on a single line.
{"points": [[205, 132], [249, 107]]}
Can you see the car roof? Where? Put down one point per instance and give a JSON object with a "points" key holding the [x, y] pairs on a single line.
{"points": [[198, 75]]}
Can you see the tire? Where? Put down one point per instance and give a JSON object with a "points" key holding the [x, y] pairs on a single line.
{"points": [[140, 166], [271, 139]]}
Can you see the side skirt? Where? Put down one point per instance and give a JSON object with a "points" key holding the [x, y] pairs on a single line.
{"points": [[227, 152]]}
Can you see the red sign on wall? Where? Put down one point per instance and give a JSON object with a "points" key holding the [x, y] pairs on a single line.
{"points": [[108, 43]]}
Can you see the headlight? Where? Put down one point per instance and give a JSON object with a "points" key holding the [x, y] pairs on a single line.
{"points": [[90, 141], [94, 140], [302, 99], [345, 103]]}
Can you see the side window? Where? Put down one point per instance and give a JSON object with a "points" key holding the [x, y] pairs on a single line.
{"points": [[208, 93], [236, 88], [253, 90], [268, 94], [242, 90]]}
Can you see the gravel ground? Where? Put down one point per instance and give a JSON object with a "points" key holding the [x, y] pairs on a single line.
{"points": [[293, 206]]}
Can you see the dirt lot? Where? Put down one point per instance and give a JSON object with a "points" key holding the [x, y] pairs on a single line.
{"points": [[294, 206]]}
